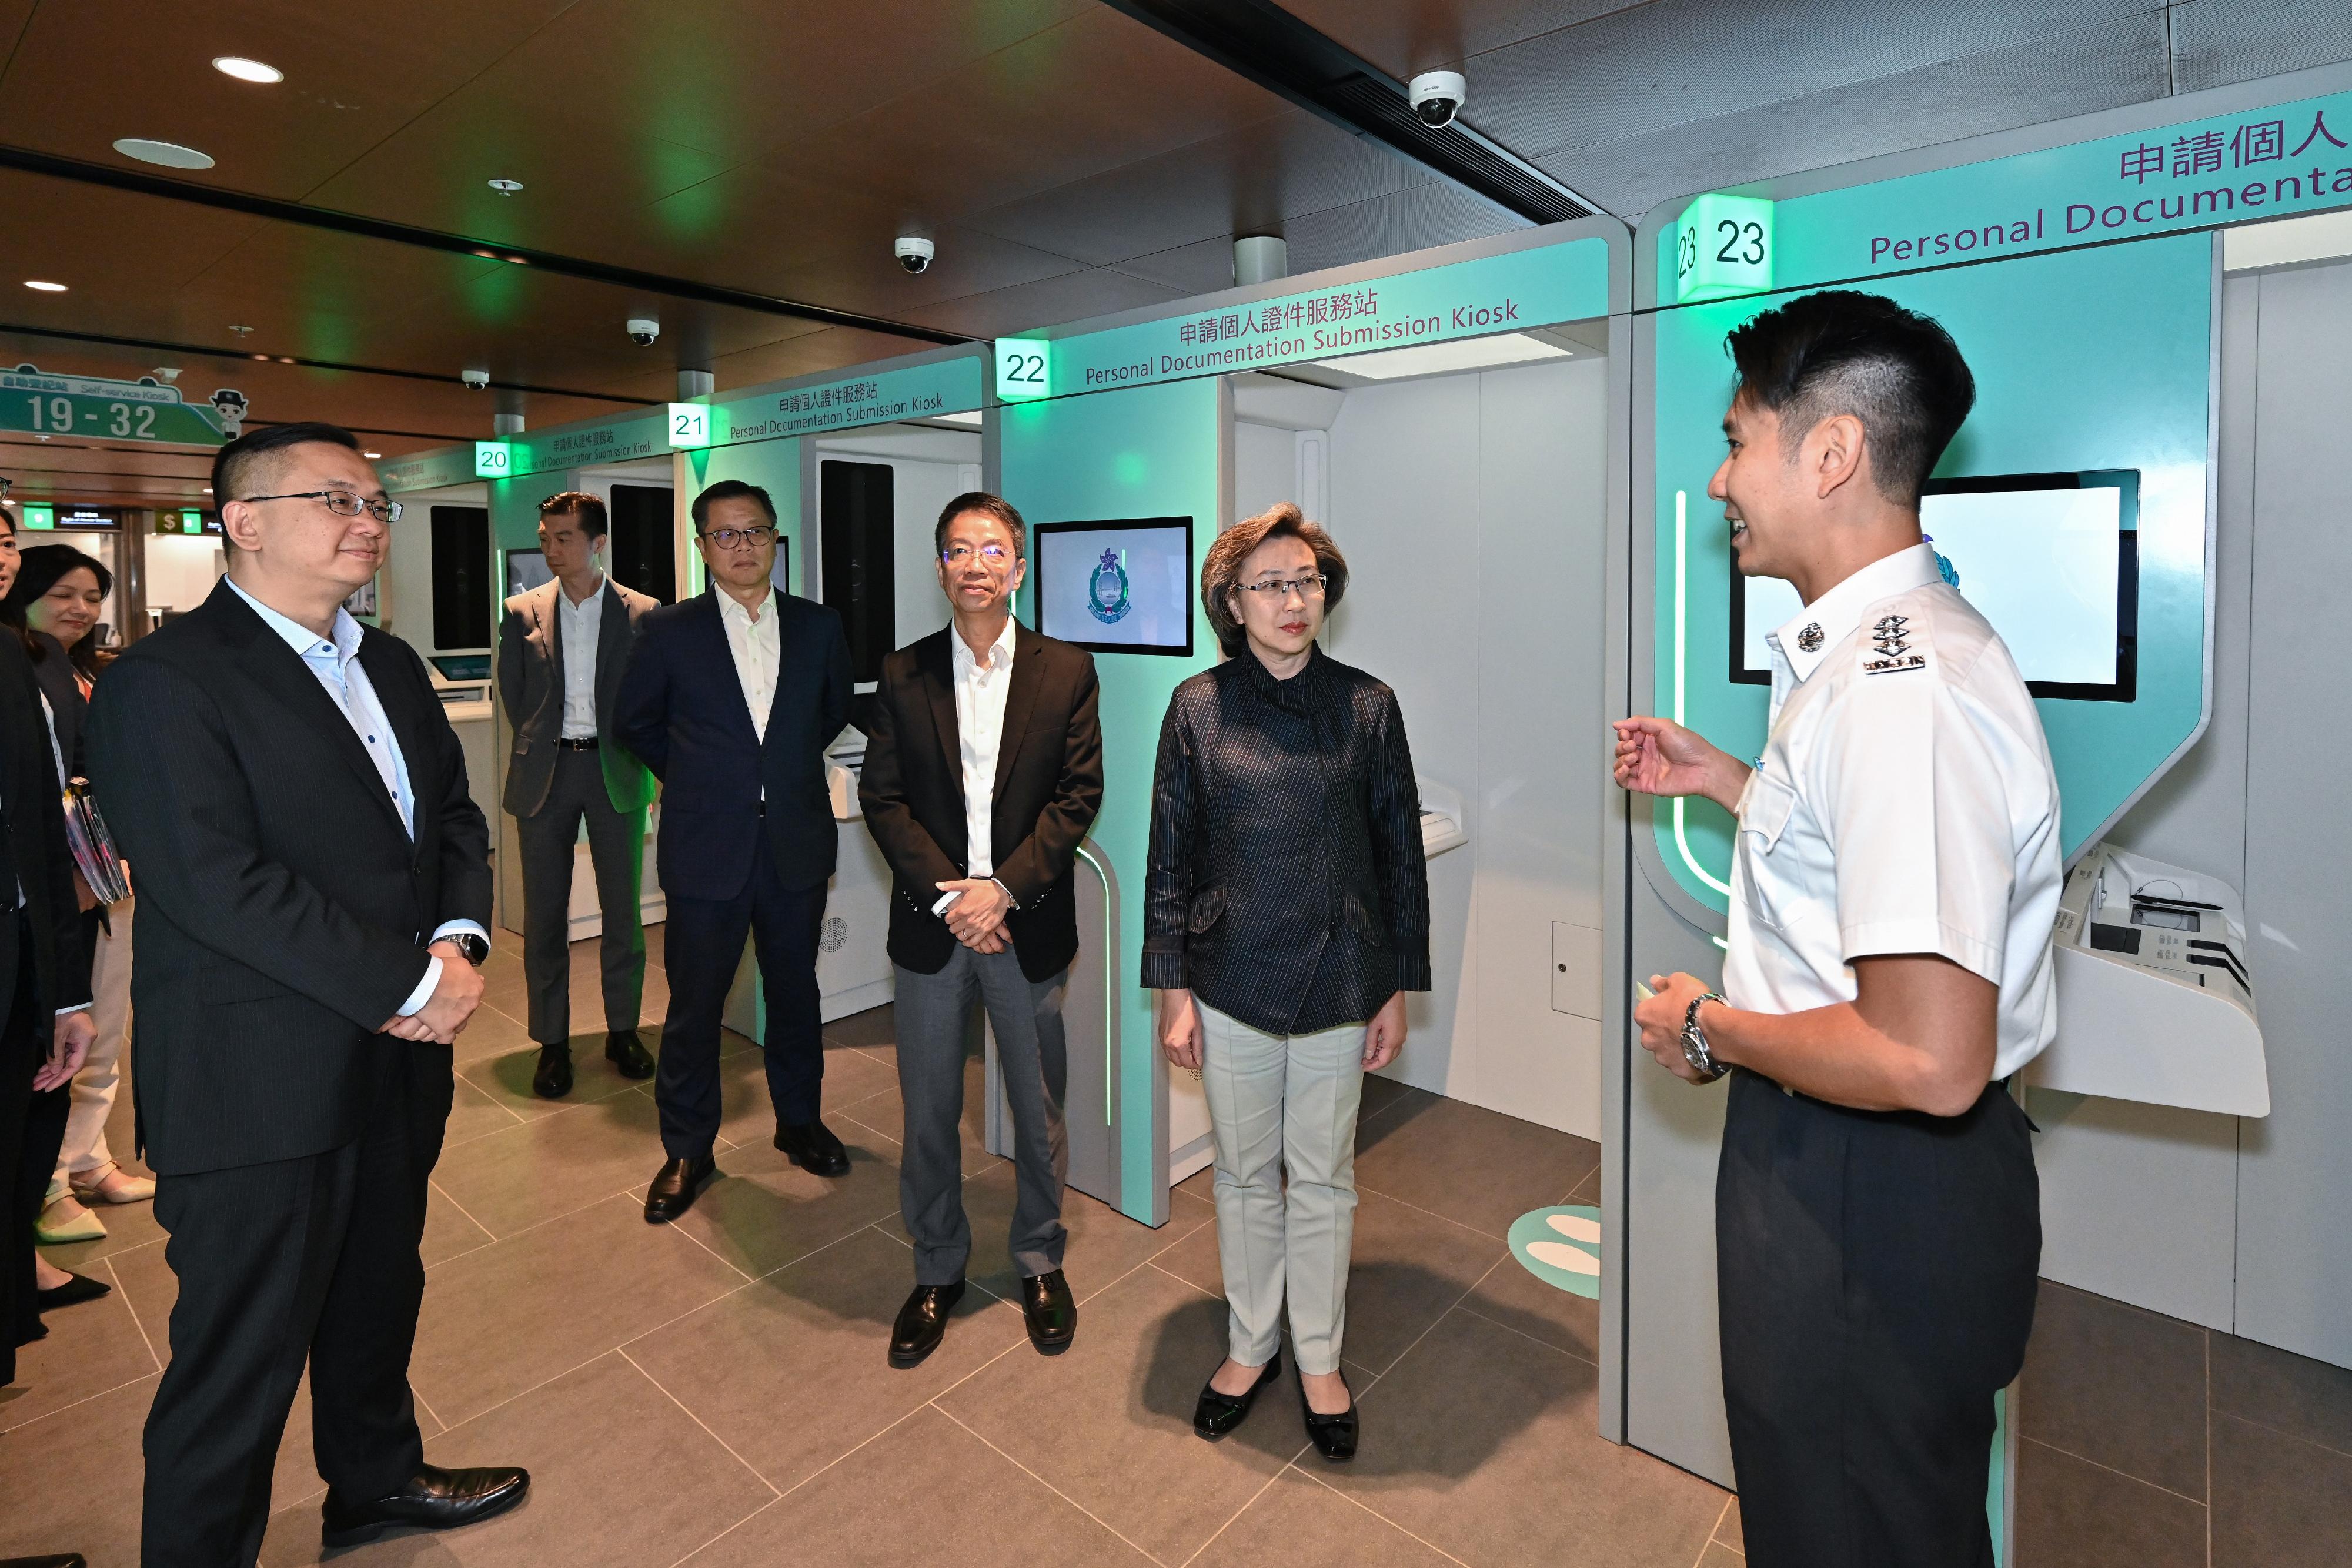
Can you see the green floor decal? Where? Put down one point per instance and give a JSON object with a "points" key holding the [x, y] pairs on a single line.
{"points": [[1561, 1246]]}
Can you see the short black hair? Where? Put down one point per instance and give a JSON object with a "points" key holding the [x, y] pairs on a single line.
{"points": [[577, 504], [237, 467], [1841, 351], [727, 490], [989, 505]]}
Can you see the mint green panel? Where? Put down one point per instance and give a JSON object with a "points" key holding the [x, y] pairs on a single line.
{"points": [[514, 514], [775, 468], [2085, 359], [1147, 452]]}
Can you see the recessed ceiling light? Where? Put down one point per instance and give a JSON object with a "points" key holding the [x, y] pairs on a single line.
{"points": [[243, 69], [45, 288], [506, 187], [371, 454], [170, 154], [263, 357]]}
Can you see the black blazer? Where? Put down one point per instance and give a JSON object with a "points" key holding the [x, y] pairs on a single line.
{"points": [[681, 711], [1287, 887], [36, 826], [54, 674], [1048, 786], [284, 909]]}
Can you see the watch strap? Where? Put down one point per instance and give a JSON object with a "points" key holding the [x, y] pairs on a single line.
{"points": [[1694, 1046]]}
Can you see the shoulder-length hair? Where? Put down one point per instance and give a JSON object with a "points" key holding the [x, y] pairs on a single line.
{"points": [[1220, 572], [42, 566]]}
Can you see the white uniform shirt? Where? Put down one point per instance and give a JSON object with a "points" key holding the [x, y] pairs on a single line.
{"points": [[752, 638], [1905, 803], [980, 691], [577, 627]]}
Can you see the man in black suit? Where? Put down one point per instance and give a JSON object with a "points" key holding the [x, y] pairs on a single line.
{"points": [[315, 887], [984, 770], [731, 698]]}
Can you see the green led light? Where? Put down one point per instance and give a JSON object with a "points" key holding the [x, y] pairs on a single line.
{"points": [[1682, 837], [192, 522], [41, 516]]}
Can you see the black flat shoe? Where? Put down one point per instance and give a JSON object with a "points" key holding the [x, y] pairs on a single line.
{"points": [[55, 1560], [675, 1186], [433, 1499], [1052, 1311], [553, 1079], [813, 1148], [1334, 1437], [624, 1050], [77, 1290], [1218, 1414], [922, 1323]]}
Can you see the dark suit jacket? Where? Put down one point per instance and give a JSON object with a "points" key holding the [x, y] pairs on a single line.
{"points": [[54, 674], [283, 906], [530, 688], [36, 825], [681, 710], [1048, 786]]}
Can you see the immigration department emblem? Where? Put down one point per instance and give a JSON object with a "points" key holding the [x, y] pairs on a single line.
{"points": [[1107, 588]]}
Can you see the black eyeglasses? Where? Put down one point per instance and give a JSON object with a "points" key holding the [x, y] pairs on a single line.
{"points": [[728, 538], [342, 503]]}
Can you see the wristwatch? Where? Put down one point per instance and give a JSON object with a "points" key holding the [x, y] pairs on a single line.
{"points": [[1695, 1051], [472, 946]]}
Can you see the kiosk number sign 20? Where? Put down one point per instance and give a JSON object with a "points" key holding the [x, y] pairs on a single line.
{"points": [[1723, 246]]}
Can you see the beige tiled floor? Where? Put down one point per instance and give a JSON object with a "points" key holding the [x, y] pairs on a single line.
{"points": [[715, 1392]]}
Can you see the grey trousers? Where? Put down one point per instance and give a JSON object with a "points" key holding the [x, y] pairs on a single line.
{"points": [[1279, 1102], [933, 1012], [616, 848]]}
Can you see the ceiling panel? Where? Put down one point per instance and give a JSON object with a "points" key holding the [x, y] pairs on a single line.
{"points": [[1405, 37], [2220, 41], [109, 247], [1098, 291]]}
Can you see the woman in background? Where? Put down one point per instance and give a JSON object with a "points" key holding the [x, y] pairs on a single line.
{"points": [[1286, 914]]}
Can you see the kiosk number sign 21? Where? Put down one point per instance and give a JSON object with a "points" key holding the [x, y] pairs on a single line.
{"points": [[1723, 246]]}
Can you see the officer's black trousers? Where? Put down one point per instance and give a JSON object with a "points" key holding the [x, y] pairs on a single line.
{"points": [[1876, 1282]]}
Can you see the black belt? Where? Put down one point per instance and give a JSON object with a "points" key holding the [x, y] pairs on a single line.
{"points": [[567, 744]]}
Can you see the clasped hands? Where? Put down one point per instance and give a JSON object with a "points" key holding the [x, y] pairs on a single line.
{"points": [[977, 919], [447, 1011]]}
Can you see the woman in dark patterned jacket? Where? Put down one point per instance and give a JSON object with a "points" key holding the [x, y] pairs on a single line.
{"points": [[1285, 914]]}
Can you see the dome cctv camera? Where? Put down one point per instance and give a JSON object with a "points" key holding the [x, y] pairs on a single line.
{"points": [[477, 379], [1437, 97], [643, 330], [914, 252]]}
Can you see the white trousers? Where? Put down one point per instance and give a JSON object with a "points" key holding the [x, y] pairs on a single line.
{"points": [[101, 1071], [1282, 1104]]}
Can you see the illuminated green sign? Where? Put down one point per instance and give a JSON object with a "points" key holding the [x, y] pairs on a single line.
{"points": [[1023, 369], [689, 424], [1723, 246], [192, 522], [493, 460], [39, 517], [143, 410]]}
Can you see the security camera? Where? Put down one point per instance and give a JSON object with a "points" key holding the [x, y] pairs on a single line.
{"points": [[643, 330], [477, 379], [1437, 97], [914, 252]]}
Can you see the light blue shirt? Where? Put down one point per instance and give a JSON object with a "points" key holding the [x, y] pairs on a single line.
{"points": [[336, 664]]}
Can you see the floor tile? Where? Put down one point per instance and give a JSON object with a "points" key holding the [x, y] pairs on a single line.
{"points": [[2074, 1514], [1510, 1295], [506, 1078], [90, 1348], [793, 1372], [1117, 1407], [1301, 1523], [1384, 1095], [767, 1211], [1728, 1530], [1477, 1420], [497, 1029], [2278, 1501], [884, 1111], [2119, 1386], [51, 1467], [874, 1027], [1102, 1244], [748, 1113], [510, 1316], [1471, 1166], [975, 1508], [1719, 1555], [477, 1113], [448, 1229], [2300, 1397], [535, 1170]]}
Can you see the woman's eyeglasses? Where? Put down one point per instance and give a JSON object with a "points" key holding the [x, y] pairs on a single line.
{"points": [[1282, 588]]}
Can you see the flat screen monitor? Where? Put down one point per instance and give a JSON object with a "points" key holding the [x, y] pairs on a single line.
{"points": [[526, 569], [461, 667], [2051, 560], [1116, 586]]}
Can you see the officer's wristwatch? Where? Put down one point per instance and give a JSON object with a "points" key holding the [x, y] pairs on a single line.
{"points": [[476, 949], [1695, 1051]]}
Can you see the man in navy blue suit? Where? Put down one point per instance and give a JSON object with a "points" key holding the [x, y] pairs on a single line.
{"points": [[731, 698]]}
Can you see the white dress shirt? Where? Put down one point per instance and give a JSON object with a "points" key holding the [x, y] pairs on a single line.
{"points": [[336, 664], [980, 688], [1905, 803], [752, 638], [576, 628]]}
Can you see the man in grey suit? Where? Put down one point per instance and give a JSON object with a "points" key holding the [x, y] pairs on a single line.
{"points": [[561, 654]]}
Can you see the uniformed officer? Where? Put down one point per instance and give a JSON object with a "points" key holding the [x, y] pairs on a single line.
{"points": [[1877, 1220]]}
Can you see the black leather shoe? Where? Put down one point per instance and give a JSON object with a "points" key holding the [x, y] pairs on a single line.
{"points": [[77, 1290], [55, 1560], [1053, 1315], [1218, 1414], [813, 1149], [922, 1323], [675, 1186], [1334, 1437], [553, 1079], [433, 1499], [624, 1050]]}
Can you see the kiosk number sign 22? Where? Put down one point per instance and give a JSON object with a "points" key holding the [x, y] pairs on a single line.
{"points": [[1723, 246], [1023, 369]]}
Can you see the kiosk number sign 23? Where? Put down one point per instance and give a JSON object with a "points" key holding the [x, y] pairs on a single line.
{"points": [[1723, 246]]}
